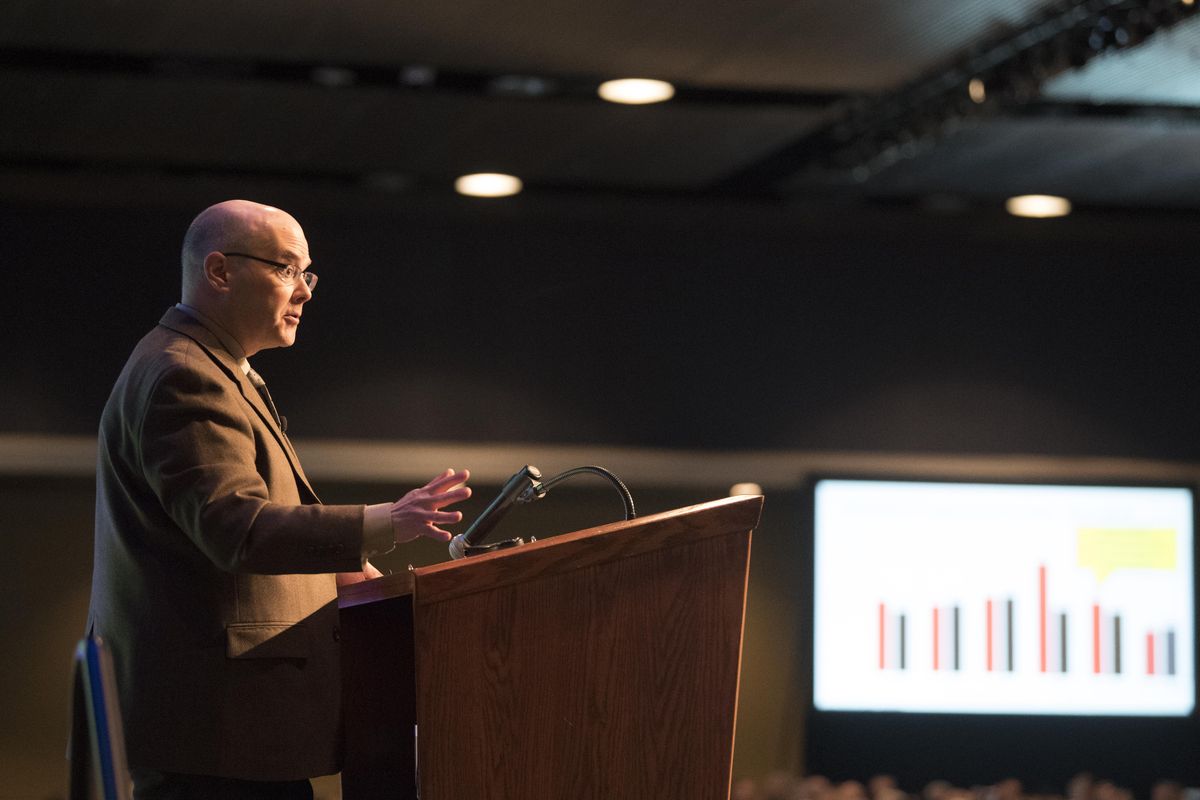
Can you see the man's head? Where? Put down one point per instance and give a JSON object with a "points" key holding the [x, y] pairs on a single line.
{"points": [[248, 297]]}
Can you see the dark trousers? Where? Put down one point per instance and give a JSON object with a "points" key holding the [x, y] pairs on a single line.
{"points": [[152, 785]]}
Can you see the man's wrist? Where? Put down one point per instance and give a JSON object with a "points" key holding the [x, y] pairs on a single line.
{"points": [[377, 530]]}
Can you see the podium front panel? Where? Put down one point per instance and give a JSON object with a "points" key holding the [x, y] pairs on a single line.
{"points": [[614, 679]]}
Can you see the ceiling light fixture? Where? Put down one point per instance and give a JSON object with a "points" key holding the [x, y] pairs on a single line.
{"points": [[334, 77], [977, 90], [488, 184], [520, 85], [1038, 206], [418, 75], [636, 91]]}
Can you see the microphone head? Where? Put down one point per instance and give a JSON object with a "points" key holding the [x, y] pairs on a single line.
{"points": [[458, 546]]}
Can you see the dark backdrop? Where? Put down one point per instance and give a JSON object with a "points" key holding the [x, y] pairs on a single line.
{"points": [[659, 323], [665, 322]]}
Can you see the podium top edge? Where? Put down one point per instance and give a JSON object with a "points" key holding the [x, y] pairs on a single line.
{"points": [[733, 511], [568, 551], [715, 517], [385, 588]]}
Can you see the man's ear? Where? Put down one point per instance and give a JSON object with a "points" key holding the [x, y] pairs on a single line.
{"points": [[216, 272]]}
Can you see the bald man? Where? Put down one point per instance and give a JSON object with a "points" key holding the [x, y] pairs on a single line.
{"points": [[216, 565]]}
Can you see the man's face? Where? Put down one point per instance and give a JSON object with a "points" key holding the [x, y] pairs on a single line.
{"points": [[266, 310]]}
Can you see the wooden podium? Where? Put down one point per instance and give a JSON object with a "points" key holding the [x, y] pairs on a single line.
{"points": [[597, 664]]}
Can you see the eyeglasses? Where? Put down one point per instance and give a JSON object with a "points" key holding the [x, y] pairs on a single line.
{"points": [[289, 272]]}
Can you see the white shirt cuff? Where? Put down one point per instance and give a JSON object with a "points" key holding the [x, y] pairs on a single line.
{"points": [[377, 530]]}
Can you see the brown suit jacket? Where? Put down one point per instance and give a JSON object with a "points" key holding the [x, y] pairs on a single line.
{"points": [[212, 582]]}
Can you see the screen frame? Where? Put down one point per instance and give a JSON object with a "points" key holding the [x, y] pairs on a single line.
{"points": [[970, 748]]}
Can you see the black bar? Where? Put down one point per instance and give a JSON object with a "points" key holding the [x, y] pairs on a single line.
{"points": [[1117, 644], [1009, 611], [903, 644], [956, 664], [1062, 635], [1170, 652]]}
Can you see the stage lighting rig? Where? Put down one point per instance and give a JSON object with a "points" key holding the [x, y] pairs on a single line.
{"points": [[1001, 73]]}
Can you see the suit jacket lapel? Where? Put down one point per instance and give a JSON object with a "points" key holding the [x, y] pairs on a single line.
{"points": [[190, 327], [256, 401]]}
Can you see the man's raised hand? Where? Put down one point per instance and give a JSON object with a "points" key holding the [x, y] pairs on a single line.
{"points": [[419, 513]]}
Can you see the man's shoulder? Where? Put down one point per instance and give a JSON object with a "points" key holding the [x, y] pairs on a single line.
{"points": [[164, 354], [164, 349]]}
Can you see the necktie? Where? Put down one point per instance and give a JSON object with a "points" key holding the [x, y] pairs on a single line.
{"points": [[261, 386]]}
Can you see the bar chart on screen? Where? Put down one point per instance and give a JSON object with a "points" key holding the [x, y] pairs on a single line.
{"points": [[1003, 598]]}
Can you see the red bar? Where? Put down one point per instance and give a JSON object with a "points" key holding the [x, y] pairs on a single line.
{"points": [[1149, 653], [882, 625], [1096, 638], [935, 638], [1042, 613], [989, 634]]}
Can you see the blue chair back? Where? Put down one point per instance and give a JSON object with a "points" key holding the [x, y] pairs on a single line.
{"points": [[97, 750]]}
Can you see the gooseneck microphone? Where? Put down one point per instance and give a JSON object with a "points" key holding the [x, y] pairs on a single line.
{"points": [[524, 487], [520, 488]]}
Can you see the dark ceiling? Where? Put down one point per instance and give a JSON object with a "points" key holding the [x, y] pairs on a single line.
{"points": [[780, 99]]}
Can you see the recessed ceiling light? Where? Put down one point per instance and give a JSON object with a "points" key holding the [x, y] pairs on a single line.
{"points": [[1038, 206], [636, 91], [334, 77], [418, 75], [520, 85], [488, 184], [977, 89], [386, 181]]}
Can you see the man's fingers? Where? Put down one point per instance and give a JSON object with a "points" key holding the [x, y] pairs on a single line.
{"points": [[442, 517], [437, 534], [420, 499], [448, 478], [450, 497], [418, 512], [431, 499]]}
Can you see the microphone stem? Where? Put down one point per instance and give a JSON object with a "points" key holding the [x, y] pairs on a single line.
{"points": [[626, 497]]}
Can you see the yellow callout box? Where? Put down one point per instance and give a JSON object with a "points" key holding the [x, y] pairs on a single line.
{"points": [[1107, 549]]}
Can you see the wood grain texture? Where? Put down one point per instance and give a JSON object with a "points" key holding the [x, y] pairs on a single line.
{"points": [[586, 547], [385, 588], [602, 666], [598, 664]]}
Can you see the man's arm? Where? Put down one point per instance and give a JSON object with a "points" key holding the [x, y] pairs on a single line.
{"points": [[198, 454]]}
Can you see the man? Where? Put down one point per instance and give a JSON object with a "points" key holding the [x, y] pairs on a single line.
{"points": [[214, 582]]}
